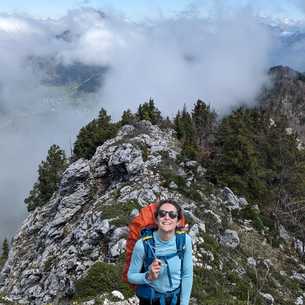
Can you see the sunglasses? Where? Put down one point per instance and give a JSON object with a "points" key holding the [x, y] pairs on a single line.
{"points": [[171, 214]]}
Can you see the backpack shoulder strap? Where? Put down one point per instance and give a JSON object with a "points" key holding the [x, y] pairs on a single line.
{"points": [[149, 247], [180, 243]]}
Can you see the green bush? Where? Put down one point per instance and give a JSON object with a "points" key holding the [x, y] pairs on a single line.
{"points": [[251, 213], [102, 278], [119, 212]]}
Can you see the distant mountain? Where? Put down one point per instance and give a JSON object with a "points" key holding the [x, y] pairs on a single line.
{"points": [[285, 95], [293, 38], [81, 77], [65, 36]]}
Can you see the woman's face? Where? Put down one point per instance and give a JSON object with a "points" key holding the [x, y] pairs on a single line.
{"points": [[166, 221]]}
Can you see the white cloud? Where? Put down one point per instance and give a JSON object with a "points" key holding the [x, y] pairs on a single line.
{"points": [[222, 61]]}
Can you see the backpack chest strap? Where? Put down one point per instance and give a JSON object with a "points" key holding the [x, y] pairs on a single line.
{"points": [[149, 248]]}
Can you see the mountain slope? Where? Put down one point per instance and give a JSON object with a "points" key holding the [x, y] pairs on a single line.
{"points": [[286, 96], [64, 247]]}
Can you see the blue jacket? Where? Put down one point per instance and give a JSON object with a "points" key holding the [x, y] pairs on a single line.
{"points": [[135, 276]]}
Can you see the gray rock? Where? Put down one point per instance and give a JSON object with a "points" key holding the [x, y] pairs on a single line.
{"points": [[126, 130], [118, 248], [90, 302], [173, 185], [284, 234], [128, 156], [117, 294], [268, 298], [76, 173], [299, 300], [251, 262], [118, 233], [231, 200], [298, 245], [230, 239], [104, 227], [299, 277], [242, 202]]}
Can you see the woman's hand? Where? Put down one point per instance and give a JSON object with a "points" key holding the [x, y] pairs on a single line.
{"points": [[154, 271]]}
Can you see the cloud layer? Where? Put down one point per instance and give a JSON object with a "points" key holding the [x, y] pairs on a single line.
{"points": [[175, 61]]}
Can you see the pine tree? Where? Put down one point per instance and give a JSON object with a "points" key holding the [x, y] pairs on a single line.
{"points": [[204, 121], [186, 134], [148, 111], [259, 160], [5, 252], [284, 161], [5, 249], [236, 163], [94, 134], [184, 126], [49, 174], [166, 123], [128, 118]]}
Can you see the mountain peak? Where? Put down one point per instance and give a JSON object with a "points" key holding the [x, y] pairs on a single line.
{"points": [[284, 72]]}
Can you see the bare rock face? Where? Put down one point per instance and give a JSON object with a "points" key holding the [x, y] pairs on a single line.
{"points": [[85, 223], [58, 242]]}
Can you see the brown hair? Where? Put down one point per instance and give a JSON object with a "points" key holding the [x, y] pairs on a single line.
{"points": [[172, 202]]}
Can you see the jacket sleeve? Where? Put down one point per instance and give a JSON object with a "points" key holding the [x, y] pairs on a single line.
{"points": [[187, 273], [135, 276]]}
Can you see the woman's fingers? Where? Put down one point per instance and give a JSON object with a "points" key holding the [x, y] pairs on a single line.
{"points": [[155, 268]]}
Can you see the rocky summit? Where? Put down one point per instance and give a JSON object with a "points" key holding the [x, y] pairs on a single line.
{"points": [[70, 250], [285, 95]]}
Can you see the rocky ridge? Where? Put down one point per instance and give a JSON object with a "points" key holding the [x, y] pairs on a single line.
{"points": [[286, 96], [85, 223]]}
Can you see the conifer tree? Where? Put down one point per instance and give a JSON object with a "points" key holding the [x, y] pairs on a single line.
{"points": [[186, 133], [204, 121], [128, 118], [148, 111], [5, 249], [5, 252], [166, 123], [49, 174], [94, 134], [184, 126], [236, 163], [259, 160], [285, 162]]}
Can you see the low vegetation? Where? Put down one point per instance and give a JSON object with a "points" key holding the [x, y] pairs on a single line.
{"points": [[101, 278]]}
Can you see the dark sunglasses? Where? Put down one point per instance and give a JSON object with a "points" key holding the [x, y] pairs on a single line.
{"points": [[171, 214]]}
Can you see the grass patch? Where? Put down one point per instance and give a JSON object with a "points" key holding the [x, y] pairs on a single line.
{"points": [[4, 301], [101, 278], [51, 261], [119, 212]]}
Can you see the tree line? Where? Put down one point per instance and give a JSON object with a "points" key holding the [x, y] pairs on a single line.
{"points": [[246, 150]]}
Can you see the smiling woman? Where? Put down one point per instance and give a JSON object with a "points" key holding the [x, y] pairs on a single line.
{"points": [[161, 264]]}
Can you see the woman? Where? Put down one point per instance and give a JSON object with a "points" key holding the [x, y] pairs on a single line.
{"points": [[169, 276]]}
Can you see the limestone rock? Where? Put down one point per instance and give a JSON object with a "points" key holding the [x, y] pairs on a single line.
{"points": [[230, 239]]}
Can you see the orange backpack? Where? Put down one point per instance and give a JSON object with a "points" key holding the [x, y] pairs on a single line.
{"points": [[145, 219]]}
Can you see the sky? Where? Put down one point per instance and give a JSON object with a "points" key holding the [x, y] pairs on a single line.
{"points": [[172, 51], [141, 9]]}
